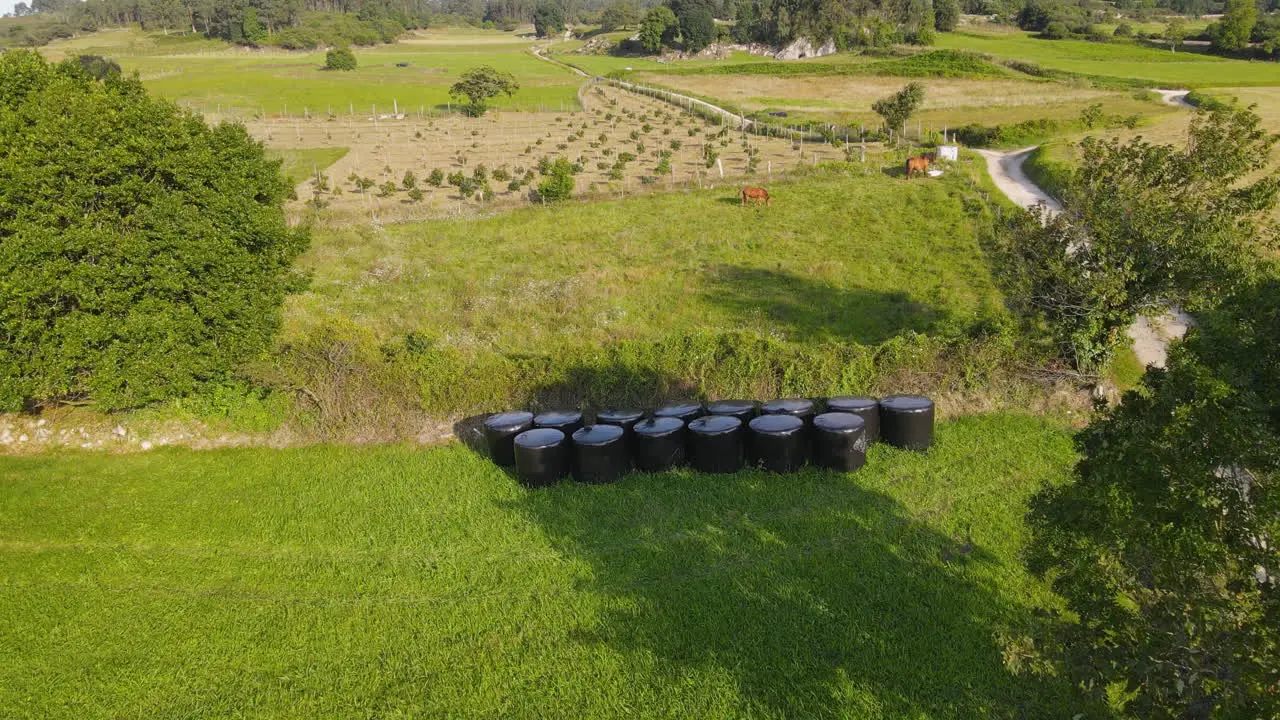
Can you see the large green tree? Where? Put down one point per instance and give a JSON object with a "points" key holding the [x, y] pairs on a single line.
{"points": [[142, 252], [1143, 225], [946, 15], [481, 84], [618, 15], [1233, 30], [1164, 543], [548, 18], [655, 26], [697, 27]]}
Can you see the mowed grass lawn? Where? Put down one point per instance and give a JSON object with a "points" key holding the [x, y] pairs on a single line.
{"points": [[837, 256], [1185, 68], [406, 582], [246, 82]]}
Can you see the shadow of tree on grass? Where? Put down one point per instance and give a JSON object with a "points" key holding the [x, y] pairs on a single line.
{"points": [[819, 597], [807, 309]]}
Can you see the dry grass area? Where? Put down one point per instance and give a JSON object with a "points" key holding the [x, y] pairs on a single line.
{"points": [[615, 122], [950, 102]]}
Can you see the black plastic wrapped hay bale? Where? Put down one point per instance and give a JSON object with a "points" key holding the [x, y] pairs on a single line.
{"points": [[906, 421], [778, 443], [744, 410], [839, 441], [600, 454], [566, 421], [682, 411], [715, 444], [500, 432], [542, 457], [867, 408], [625, 418], [796, 407], [658, 444]]}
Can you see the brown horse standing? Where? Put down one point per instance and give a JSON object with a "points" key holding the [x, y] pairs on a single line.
{"points": [[755, 194], [920, 163]]}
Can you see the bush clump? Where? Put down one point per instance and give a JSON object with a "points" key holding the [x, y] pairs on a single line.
{"points": [[142, 252], [559, 183], [340, 58]]}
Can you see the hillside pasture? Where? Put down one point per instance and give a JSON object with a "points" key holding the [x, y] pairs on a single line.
{"points": [[339, 582], [839, 256], [245, 83], [1187, 68]]}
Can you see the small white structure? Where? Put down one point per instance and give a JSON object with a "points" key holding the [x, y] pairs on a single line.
{"points": [[949, 152]]}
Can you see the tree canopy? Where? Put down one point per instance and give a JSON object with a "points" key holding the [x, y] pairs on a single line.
{"points": [[142, 252], [1143, 225], [851, 23], [618, 15], [481, 84], [900, 106], [548, 18], [1163, 545], [1233, 31], [655, 26]]}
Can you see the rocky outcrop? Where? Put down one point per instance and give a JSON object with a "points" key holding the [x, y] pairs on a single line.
{"points": [[801, 48]]}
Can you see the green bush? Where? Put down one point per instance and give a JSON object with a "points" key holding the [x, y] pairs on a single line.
{"points": [[1055, 31], [142, 252], [1205, 101], [340, 58], [1123, 30], [1052, 175], [559, 183], [641, 373]]}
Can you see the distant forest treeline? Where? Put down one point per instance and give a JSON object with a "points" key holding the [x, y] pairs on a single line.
{"points": [[307, 24]]}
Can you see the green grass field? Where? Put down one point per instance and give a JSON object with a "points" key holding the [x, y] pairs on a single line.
{"points": [[396, 582], [1185, 68], [244, 82], [839, 257], [299, 165]]}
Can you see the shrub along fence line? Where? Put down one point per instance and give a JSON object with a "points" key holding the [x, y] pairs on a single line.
{"points": [[346, 373]]}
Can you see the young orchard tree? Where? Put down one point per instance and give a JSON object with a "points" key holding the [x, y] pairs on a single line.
{"points": [[900, 106], [1175, 31], [1164, 543], [559, 183], [1142, 226], [481, 84], [142, 252]]}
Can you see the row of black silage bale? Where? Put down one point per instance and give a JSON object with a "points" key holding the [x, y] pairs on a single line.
{"points": [[720, 437]]}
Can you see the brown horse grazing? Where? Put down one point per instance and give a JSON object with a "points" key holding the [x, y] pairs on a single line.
{"points": [[755, 194], [920, 163]]}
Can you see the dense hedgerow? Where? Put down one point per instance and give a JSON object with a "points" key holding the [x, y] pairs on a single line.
{"points": [[141, 251]]}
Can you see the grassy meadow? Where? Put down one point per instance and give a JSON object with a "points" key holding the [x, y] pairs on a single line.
{"points": [[1189, 67], [850, 255], [391, 582], [214, 77]]}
